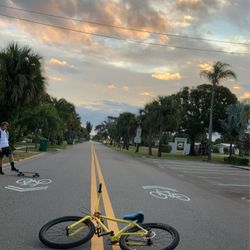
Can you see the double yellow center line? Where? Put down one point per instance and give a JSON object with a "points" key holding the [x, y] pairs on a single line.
{"points": [[97, 243]]}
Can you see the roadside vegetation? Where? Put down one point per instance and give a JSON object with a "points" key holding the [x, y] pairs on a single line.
{"points": [[33, 115], [191, 113], [216, 157]]}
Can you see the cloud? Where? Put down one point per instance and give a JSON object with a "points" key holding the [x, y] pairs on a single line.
{"points": [[167, 76], [246, 95], [62, 66], [90, 112], [55, 61], [145, 93], [125, 88], [236, 87], [111, 86], [55, 78], [188, 3], [206, 66]]}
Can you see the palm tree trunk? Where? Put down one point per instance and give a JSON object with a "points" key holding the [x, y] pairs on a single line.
{"points": [[210, 128], [192, 144], [150, 144], [160, 143]]}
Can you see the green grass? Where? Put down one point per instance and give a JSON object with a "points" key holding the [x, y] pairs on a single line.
{"points": [[143, 152], [20, 155], [31, 151]]}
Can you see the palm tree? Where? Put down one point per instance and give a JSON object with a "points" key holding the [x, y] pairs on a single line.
{"points": [[219, 72], [168, 117], [148, 117], [22, 83]]}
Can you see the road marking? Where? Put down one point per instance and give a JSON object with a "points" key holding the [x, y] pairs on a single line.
{"points": [[19, 189], [31, 185], [165, 193], [106, 199], [218, 172], [96, 242], [233, 185]]}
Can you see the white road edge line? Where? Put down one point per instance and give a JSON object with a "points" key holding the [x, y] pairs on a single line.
{"points": [[235, 185]]}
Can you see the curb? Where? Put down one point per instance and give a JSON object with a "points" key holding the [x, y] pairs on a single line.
{"points": [[33, 156], [241, 167]]}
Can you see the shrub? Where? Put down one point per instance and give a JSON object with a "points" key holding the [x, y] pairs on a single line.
{"points": [[166, 148], [237, 160], [215, 150]]}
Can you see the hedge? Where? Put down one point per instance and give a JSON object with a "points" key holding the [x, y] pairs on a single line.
{"points": [[236, 160]]}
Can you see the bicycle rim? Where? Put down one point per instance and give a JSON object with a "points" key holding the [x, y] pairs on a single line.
{"points": [[53, 234], [161, 237]]}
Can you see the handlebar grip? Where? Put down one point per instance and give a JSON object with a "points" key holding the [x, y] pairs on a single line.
{"points": [[100, 188]]}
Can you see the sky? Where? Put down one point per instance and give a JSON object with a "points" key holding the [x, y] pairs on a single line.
{"points": [[109, 57]]}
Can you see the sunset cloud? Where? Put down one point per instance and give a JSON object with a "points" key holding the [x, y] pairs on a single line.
{"points": [[205, 66], [145, 93], [55, 78], [111, 86], [55, 61], [246, 95], [167, 76], [236, 87], [125, 88]]}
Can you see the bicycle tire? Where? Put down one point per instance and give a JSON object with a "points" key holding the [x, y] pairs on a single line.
{"points": [[61, 232], [159, 233]]}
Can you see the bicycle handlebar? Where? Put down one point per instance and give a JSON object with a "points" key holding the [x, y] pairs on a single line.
{"points": [[100, 188]]}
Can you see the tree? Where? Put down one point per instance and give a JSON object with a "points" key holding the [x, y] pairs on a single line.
{"points": [[215, 75], [89, 127], [72, 120], [22, 83], [168, 117], [195, 103], [148, 117], [232, 124], [126, 126]]}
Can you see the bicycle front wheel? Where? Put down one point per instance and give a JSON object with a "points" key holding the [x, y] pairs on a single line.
{"points": [[160, 237], [54, 234]]}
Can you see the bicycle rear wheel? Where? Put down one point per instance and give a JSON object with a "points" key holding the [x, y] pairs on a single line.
{"points": [[53, 234], [161, 237]]}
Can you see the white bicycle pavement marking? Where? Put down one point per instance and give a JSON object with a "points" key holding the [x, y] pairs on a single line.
{"points": [[33, 182], [165, 193], [29, 184]]}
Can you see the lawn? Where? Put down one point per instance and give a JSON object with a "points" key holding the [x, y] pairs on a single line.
{"points": [[20, 150], [143, 152]]}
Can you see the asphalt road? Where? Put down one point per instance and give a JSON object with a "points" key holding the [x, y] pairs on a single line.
{"points": [[214, 216]]}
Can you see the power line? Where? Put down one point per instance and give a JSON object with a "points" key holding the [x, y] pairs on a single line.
{"points": [[121, 39], [124, 28]]}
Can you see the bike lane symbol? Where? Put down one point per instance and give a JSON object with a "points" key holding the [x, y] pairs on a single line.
{"points": [[165, 193], [29, 185]]}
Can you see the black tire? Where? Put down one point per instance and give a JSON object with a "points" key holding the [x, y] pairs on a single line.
{"points": [[61, 240], [163, 237]]}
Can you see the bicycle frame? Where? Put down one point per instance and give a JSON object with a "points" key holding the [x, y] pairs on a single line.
{"points": [[99, 219]]}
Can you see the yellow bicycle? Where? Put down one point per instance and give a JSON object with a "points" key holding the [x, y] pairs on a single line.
{"points": [[72, 231]]}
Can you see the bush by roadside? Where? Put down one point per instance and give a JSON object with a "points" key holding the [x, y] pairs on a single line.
{"points": [[237, 160]]}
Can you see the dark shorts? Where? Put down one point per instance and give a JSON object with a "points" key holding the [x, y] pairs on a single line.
{"points": [[5, 151]]}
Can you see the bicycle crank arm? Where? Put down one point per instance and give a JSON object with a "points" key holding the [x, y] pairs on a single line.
{"points": [[106, 233]]}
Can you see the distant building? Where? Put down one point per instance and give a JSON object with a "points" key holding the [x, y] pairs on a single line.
{"points": [[225, 147]]}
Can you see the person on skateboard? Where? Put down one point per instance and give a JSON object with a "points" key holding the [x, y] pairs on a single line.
{"points": [[5, 148]]}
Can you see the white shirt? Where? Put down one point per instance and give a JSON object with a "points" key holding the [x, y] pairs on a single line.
{"points": [[4, 141]]}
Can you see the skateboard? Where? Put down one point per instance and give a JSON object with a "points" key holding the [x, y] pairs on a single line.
{"points": [[26, 173]]}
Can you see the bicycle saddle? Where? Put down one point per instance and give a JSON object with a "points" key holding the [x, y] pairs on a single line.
{"points": [[138, 216]]}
